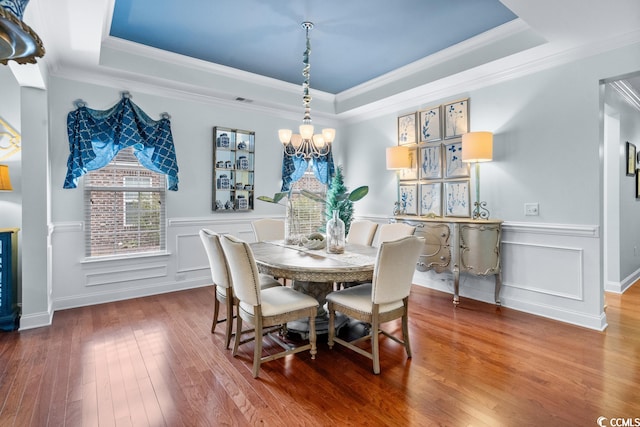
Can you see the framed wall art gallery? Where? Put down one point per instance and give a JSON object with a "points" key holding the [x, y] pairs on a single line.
{"points": [[437, 182]]}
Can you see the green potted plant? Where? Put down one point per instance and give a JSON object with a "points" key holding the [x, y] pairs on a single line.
{"points": [[338, 198]]}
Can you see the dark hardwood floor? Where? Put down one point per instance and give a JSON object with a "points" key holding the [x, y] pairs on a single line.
{"points": [[153, 362]]}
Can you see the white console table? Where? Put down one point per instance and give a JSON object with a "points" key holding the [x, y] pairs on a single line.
{"points": [[459, 245]]}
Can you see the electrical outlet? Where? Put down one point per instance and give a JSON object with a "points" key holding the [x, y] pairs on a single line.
{"points": [[531, 209]]}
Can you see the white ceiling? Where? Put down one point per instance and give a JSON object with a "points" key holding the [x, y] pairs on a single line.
{"points": [[77, 41]]}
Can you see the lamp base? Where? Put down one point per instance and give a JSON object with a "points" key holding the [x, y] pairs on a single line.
{"points": [[480, 210]]}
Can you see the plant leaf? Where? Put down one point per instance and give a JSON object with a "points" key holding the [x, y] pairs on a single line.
{"points": [[275, 199], [312, 196], [279, 196], [266, 199], [359, 193]]}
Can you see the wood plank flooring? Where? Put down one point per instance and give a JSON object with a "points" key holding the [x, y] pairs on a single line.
{"points": [[153, 362]]}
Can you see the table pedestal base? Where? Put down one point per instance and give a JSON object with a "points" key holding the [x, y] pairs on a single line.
{"points": [[318, 290], [301, 326]]}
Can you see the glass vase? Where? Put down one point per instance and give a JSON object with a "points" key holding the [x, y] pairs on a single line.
{"points": [[335, 235], [292, 234]]}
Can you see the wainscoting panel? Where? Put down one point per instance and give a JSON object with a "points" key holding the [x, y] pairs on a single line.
{"points": [[550, 270], [122, 274], [557, 270], [190, 254]]}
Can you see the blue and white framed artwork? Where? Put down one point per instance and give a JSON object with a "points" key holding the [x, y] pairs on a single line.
{"points": [[407, 129], [454, 166], [456, 118], [430, 165], [431, 199], [408, 199], [429, 124], [411, 173], [456, 198]]}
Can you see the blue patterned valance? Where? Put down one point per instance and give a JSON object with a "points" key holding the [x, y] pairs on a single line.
{"points": [[95, 137], [293, 168]]}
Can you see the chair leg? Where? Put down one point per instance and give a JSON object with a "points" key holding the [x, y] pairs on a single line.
{"points": [[375, 338], [216, 309], [229, 332], [332, 322], [236, 343], [312, 335], [257, 349], [405, 334]]}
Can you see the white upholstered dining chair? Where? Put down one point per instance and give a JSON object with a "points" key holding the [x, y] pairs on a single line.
{"points": [[222, 281], [383, 300], [269, 307], [361, 232], [268, 229], [393, 231]]}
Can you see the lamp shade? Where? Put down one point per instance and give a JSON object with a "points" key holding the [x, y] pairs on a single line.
{"points": [[306, 131], [5, 181], [284, 135], [329, 135], [477, 147], [398, 157]]}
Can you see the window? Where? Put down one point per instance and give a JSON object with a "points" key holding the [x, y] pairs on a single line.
{"points": [[310, 212], [124, 208]]}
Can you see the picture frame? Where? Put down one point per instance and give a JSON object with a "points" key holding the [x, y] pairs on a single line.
{"points": [[430, 124], [408, 194], [454, 167], [456, 199], [431, 199], [637, 184], [430, 162], [631, 159], [410, 173], [407, 129], [456, 118]]}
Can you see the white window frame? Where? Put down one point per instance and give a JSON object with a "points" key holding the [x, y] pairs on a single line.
{"points": [[119, 227]]}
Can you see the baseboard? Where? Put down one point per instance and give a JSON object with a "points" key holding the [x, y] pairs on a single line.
{"points": [[37, 320], [626, 283], [126, 293]]}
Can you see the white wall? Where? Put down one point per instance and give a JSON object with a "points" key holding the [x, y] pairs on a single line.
{"points": [[547, 129], [79, 282], [547, 140], [626, 269]]}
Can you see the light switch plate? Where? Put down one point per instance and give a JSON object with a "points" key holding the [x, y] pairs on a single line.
{"points": [[531, 209]]}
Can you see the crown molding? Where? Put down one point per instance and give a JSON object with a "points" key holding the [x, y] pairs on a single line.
{"points": [[627, 93]]}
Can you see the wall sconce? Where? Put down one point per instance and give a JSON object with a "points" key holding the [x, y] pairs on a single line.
{"points": [[478, 147], [5, 181]]}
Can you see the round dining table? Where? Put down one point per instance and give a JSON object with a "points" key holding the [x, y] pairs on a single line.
{"points": [[315, 272]]}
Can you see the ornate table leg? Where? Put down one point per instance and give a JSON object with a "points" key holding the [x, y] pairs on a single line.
{"points": [[498, 286], [456, 285]]}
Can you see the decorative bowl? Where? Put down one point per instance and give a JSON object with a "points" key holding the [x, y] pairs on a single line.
{"points": [[313, 241]]}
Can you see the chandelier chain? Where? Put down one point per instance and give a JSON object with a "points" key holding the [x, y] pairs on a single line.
{"points": [[306, 72]]}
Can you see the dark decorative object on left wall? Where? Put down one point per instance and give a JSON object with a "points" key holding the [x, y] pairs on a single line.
{"points": [[18, 42], [631, 159]]}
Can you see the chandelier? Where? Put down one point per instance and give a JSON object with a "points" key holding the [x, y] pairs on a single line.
{"points": [[306, 144]]}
